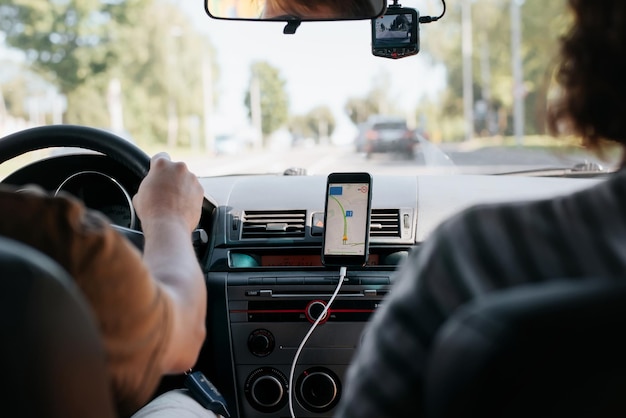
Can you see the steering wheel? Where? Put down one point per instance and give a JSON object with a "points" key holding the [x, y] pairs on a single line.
{"points": [[111, 145], [107, 143], [99, 140]]}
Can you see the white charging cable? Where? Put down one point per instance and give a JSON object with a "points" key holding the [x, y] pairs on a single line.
{"points": [[342, 276]]}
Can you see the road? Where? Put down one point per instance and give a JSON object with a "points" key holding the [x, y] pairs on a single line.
{"points": [[449, 159]]}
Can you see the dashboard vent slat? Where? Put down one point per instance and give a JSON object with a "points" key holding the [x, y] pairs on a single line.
{"points": [[385, 223], [273, 224]]}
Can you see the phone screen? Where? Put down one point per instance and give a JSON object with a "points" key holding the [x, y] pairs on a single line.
{"points": [[347, 219]]}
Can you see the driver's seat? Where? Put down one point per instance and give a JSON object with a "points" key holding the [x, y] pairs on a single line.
{"points": [[52, 356]]}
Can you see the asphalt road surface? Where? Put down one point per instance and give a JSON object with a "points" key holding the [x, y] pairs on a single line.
{"points": [[431, 159]]}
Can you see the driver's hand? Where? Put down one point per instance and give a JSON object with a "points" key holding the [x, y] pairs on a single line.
{"points": [[169, 192]]}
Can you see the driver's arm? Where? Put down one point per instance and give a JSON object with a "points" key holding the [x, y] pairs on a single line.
{"points": [[150, 307], [168, 203]]}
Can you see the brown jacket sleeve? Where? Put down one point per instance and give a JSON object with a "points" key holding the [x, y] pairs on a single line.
{"points": [[134, 314]]}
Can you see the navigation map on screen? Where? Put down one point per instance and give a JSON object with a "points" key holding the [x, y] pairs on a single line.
{"points": [[346, 219]]}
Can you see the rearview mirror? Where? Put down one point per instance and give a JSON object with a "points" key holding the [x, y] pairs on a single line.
{"points": [[289, 10]]}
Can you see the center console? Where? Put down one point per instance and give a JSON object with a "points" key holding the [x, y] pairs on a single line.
{"points": [[268, 316], [267, 285]]}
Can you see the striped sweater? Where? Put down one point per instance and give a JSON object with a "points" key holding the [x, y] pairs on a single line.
{"points": [[480, 250]]}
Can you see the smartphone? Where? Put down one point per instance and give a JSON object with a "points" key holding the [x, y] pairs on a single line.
{"points": [[347, 219]]}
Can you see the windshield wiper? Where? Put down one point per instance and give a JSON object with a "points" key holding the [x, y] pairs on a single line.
{"points": [[580, 170]]}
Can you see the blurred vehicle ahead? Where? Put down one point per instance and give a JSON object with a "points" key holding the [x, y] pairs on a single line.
{"points": [[386, 134]]}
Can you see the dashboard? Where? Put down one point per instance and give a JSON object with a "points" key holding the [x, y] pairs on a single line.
{"points": [[267, 284], [262, 261]]}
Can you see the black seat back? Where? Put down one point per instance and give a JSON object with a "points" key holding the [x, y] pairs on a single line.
{"points": [[556, 349], [53, 361]]}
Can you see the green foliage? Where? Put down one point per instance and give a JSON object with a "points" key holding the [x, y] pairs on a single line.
{"points": [[87, 106], [161, 72], [542, 24], [80, 46], [321, 122], [318, 123], [272, 96], [18, 85], [359, 109], [67, 41], [299, 127], [376, 101]]}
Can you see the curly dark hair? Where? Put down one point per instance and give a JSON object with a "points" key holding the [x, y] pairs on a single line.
{"points": [[592, 74]]}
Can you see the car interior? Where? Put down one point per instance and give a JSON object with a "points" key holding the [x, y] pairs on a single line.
{"points": [[283, 322], [52, 353], [546, 350]]}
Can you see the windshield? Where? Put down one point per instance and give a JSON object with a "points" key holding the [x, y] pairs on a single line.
{"points": [[232, 97]]}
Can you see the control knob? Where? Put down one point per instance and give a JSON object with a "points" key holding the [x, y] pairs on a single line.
{"points": [[318, 389], [261, 342], [266, 389]]}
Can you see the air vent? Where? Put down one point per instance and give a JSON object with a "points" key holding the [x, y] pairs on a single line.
{"points": [[385, 223], [273, 224]]}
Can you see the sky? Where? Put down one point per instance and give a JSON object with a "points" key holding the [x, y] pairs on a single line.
{"points": [[323, 63]]}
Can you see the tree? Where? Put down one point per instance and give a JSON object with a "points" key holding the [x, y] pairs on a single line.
{"points": [[299, 127], [376, 101], [161, 72], [273, 102], [321, 122], [18, 87], [359, 109], [540, 56], [67, 42], [493, 81], [82, 46]]}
